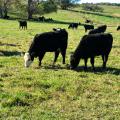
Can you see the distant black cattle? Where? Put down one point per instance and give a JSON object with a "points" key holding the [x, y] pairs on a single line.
{"points": [[73, 25], [22, 24], [88, 27], [88, 21], [42, 18], [6, 17], [100, 29], [118, 28], [90, 46], [48, 20], [55, 41]]}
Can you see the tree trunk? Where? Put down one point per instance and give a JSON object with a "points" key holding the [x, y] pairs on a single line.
{"points": [[1, 13], [5, 9], [29, 9], [5, 12]]}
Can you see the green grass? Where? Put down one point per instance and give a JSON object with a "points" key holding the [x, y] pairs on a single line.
{"points": [[57, 93]]}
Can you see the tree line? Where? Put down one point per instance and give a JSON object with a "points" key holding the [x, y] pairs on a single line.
{"points": [[30, 7]]}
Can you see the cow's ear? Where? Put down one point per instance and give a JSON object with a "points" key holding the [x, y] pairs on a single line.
{"points": [[32, 54], [54, 29]]}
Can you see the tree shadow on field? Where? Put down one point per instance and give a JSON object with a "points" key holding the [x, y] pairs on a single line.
{"points": [[99, 70], [94, 13], [53, 22], [10, 53]]}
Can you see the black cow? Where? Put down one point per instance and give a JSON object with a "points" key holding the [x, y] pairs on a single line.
{"points": [[42, 18], [88, 21], [55, 41], [118, 28], [73, 25], [49, 20], [88, 27], [22, 24], [6, 17], [100, 29], [90, 46]]}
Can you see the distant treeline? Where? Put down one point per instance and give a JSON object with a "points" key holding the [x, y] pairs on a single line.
{"points": [[111, 4]]}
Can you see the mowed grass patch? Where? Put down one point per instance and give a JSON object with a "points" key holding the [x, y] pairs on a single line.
{"points": [[56, 92]]}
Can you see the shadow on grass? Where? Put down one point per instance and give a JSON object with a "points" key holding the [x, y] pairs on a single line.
{"points": [[99, 70], [10, 53], [56, 67], [116, 46], [50, 22], [94, 13], [53, 22], [6, 44]]}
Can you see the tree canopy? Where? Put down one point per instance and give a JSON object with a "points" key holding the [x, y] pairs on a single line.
{"points": [[30, 7]]}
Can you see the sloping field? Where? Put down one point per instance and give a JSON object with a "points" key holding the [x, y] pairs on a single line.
{"points": [[57, 93]]}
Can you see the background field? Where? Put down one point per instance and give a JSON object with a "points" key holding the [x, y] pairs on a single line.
{"points": [[57, 93]]}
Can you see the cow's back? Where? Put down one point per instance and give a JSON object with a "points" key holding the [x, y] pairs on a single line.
{"points": [[95, 44], [50, 41]]}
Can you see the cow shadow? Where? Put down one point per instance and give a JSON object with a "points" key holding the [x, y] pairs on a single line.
{"points": [[10, 53], [99, 70], [56, 67], [116, 46]]}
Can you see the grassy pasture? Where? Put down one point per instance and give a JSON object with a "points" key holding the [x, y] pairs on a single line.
{"points": [[57, 93]]}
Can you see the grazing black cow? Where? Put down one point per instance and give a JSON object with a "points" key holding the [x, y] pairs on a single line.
{"points": [[22, 24], [6, 17], [73, 25], [100, 29], [118, 28], [42, 18], [88, 21], [48, 20], [90, 46], [88, 27], [55, 41]]}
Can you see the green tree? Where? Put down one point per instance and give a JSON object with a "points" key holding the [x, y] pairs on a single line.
{"points": [[41, 7], [49, 6], [5, 6], [65, 4]]}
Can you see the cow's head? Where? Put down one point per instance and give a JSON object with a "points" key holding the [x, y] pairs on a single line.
{"points": [[27, 59], [74, 61]]}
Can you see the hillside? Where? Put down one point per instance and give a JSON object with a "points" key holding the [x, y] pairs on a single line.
{"points": [[58, 93]]}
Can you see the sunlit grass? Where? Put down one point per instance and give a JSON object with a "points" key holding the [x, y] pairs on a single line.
{"points": [[57, 93]]}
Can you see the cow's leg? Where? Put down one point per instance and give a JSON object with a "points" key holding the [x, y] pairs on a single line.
{"points": [[103, 58], [41, 55], [63, 52], [92, 62], [105, 61], [85, 60], [56, 56]]}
